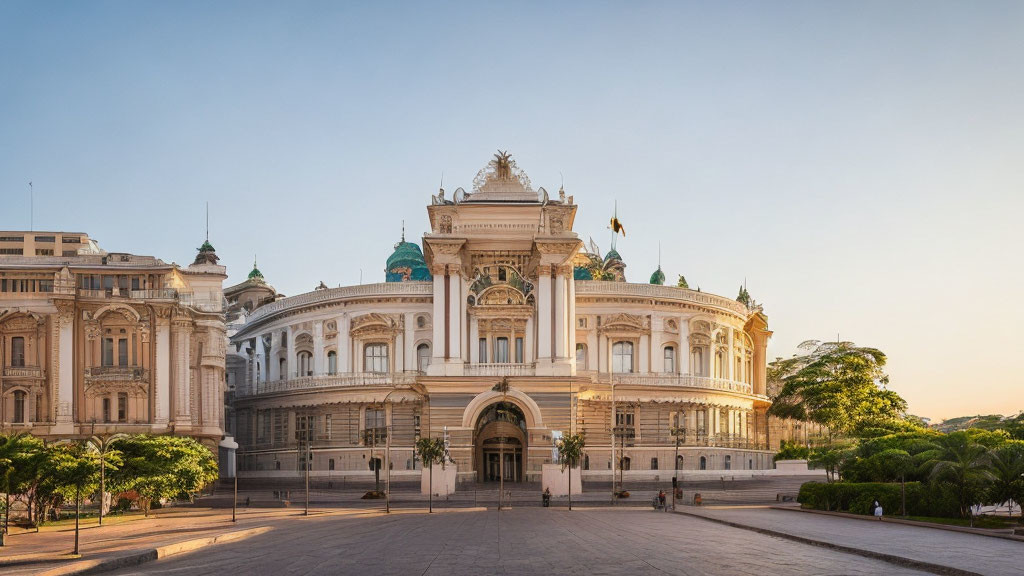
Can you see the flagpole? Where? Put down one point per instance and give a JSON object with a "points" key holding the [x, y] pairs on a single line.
{"points": [[31, 208]]}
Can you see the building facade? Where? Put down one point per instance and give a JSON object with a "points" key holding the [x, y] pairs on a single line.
{"points": [[93, 342], [502, 291]]}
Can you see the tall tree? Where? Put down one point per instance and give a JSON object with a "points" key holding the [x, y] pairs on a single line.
{"points": [[836, 384], [431, 451], [1007, 484], [570, 450]]}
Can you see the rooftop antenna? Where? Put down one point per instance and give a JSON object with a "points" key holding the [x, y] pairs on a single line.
{"points": [[207, 220], [659, 258], [360, 276], [442, 180], [403, 230], [31, 208]]}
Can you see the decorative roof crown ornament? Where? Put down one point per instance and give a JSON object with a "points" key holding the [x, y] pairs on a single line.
{"points": [[501, 180], [207, 254]]}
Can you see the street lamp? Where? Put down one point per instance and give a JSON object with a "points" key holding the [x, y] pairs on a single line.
{"points": [[677, 432], [501, 386], [387, 451]]}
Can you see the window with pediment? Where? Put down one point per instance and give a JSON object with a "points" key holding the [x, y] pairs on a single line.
{"points": [[622, 357], [375, 358]]}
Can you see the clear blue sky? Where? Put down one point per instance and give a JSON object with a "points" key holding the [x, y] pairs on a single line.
{"points": [[859, 164]]}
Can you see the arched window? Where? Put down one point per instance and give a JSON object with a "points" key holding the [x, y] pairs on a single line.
{"points": [[282, 365], [750, 464], [703, 463], [581, 356], [18, 351], [422, 356], [670, 360], [679, 462], [376, 358], [305, 364], [625, 463], [719, 364], [738, 374], [697, 361], [332, 362], [19, 407], [728, 462], [622, 357]]}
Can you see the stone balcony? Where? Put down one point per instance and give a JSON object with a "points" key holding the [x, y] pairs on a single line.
{"points": [[332, 381], [500, 369], [681, 381], [23, 372], [117, 374]]}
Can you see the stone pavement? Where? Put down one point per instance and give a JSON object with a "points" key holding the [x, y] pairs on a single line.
{"points": [[970, 552], [29, 553], [519, 541]]}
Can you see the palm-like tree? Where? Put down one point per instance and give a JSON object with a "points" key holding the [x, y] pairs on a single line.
{"points": [[1007, 477], [963, 465]]}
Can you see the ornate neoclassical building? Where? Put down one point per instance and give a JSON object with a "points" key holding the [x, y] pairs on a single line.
{"points": [[93, 342], [502, 290]]}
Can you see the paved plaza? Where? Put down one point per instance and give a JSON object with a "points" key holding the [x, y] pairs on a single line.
{"points": [[519, 541]]}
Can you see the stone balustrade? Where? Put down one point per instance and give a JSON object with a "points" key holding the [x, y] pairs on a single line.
{"points": [[499, 369], [323, 381], [588, 287], [682, 381], [23, 372]]}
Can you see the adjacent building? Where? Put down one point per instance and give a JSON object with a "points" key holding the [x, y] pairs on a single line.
{"points": [[500, 332], [93, 342]]}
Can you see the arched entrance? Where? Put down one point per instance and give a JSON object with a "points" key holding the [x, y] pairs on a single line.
{"points": [[500, 435]]}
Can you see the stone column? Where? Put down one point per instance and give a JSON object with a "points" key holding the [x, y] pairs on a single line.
{"points": [[274, 365], [318, 347], [162, 370], [644, 354], [683, 364], [474, 340], [730, 360], [292, 360], [438, 317], [560, 319], [544, 327], [456, 302], [65, 374], [529, 338], [182, 333], [344, 344], [570, 315], [411, 357]]}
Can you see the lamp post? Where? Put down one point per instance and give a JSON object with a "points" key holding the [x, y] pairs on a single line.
{"points": [[309, 454], [387, 452], [614, 492], [677, 432]]}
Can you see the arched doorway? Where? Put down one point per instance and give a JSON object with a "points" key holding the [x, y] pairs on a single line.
{"points": [[500, 434]]}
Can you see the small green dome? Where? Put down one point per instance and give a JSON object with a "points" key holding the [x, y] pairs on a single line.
{"points": [[612, 255], [658, 277], [581, 273], [406, 263], [255, 274]]}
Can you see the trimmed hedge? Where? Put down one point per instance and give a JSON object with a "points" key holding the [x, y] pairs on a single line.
{"points": [[857, 497]]}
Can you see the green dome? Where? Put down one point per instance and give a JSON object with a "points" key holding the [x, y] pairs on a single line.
{"points": [[658, 277], [255, 274], [612, 254], [406, 263]]}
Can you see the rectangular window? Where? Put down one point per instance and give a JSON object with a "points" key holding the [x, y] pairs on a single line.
{"points": [[12, 251], [46, 238], [702, 426], [46, 285], [12, 238], [622, 357], [519, 349], [483, 350], [376, 358], [71, 240], [19, 406], [416, 425], [375, 426], [44, 251], [122, 352], [106, 409], [670, 360], [108, 351], [623, 416], [122, 407], [135, 283], [501, 350], [327, 426], [654, 463], [68, 253], [17, 351]]}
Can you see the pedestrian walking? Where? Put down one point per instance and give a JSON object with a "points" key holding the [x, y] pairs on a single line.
{"points": [[876, 509]]}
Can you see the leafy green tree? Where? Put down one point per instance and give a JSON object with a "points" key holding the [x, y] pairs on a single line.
{"points": [[1007, 484], [791, 450], [963, 465], [836, 384], [74, 472], [895, 465], [431, 451], [16, 454], [163, 467], [831, 458], [570, 451]]}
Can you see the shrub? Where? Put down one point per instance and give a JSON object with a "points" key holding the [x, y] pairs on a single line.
{"points": [[791, 451], [858, 497]]}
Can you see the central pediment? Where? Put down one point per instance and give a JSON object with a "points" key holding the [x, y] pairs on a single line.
{"points": [[501, 180]]}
